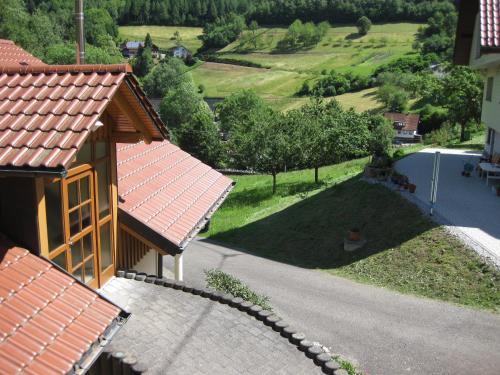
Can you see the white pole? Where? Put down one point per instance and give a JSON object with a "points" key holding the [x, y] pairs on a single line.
{"points": [[435, 180], [179, 267]]}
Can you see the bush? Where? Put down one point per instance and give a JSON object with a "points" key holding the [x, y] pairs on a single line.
{"points": [[432, 118], [442, 136], [398, 154], [363, 24], [226, 283]]}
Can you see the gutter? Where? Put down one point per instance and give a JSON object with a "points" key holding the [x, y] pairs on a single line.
{"points": [[33, 172]]}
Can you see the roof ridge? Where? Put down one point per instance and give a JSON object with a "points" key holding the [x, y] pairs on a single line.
{"points": [[51, 69]]}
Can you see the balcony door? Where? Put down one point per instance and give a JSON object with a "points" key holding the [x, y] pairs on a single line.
{"points": [[79, 217]]}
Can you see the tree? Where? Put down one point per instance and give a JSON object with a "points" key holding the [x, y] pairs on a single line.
{"points": [[364, 25], [143, 62], [165, 76], [64, 54], [180, 104], [99, 22], [462, 92], [238, 110], [263, 145], [394, 98], [382, 135], [200, 137], [177, 38], [148, 41]]}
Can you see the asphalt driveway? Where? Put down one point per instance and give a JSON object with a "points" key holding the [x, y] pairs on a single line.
{"points": [[466, 204], [384, 331]]}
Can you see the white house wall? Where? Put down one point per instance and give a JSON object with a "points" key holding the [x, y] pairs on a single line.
{"points": [[149, 263]]}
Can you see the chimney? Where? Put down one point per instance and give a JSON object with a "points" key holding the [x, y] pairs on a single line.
{"points": [[80, 32]]}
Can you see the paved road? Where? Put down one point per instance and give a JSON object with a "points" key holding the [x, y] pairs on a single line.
{"points": [[385, 332]]}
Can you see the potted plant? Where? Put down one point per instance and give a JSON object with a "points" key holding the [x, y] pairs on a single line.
{"points": [[354, 234], [412, 188], [498, 190]]}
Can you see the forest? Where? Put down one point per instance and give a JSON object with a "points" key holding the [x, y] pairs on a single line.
{"points": [[198, 12]]}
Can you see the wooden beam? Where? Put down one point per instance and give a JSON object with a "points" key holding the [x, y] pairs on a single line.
{"points": [[124, 137], [42, 217], [124, 107]]}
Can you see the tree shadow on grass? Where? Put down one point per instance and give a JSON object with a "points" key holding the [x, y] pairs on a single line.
{"points": [[353, 36], [310, 233]]}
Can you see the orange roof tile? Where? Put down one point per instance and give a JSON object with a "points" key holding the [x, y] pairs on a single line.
{"points": [[15, 56], [410, 121], [49, 322], [490, 23], [168, 190]]}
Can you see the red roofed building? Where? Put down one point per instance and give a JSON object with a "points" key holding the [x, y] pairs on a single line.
{"points": [[89, 183], [478, 45], [405, 126]]}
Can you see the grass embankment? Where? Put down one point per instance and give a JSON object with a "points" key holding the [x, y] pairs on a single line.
{"points": [[162, 35], [304, 224]]}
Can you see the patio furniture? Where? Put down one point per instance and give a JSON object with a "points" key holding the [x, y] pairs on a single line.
{"points": [[492, 171]]}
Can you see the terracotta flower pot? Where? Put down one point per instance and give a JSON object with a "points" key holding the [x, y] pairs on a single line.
{"points": [[405, 186], [354, 235], [412, 188]]}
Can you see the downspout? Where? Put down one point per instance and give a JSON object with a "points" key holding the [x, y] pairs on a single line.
{"points": [[80, 32]]}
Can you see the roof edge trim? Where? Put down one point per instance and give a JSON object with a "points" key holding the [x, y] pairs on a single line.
{"points": [[88, 68], [33, 172]]}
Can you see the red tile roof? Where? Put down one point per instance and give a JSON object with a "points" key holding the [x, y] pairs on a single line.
{"points": [[490, 23], [15, 56], [49, 322], [47, 111], [410, 121], [168, 190], [46, 118]]}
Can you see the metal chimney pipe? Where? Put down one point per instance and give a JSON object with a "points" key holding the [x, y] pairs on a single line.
{"points": [[80, 32]]}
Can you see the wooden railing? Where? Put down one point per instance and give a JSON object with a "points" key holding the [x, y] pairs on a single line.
{"points": [[131, 249]]}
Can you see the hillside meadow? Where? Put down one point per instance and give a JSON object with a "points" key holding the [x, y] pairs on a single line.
{"points": [[282, 74]]}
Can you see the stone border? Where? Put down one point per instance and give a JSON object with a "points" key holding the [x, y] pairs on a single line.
{"points": [[318, 353]]}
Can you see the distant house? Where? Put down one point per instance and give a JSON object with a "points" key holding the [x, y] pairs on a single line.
{"points": [[131, 48], [405, 126], [180, 52], [478, 46]]}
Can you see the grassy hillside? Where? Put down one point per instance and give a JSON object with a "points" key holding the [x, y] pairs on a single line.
{"points": [[304, 224], [162, 35], [341, 49]]}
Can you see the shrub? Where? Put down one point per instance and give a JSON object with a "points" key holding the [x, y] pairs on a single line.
{"points": [[442, 136], [432, 118], [398, 154], [226, 283]]}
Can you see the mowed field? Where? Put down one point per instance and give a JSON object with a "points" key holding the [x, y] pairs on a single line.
{"points": [[341, 49], [162, 35]]}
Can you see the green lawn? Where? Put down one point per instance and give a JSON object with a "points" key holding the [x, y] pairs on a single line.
{"points": [[304, 224], [162, 35]]}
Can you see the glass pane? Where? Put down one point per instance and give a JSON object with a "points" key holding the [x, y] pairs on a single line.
{"points": [[60, 260], [53, 205], [73, 194], [74, 222], [103, 186], [86, 217], [84, 189], [87, 245], [78, 274], [89, 271], [106, 257], [84, 156], [76, 253], [101, 149]]}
